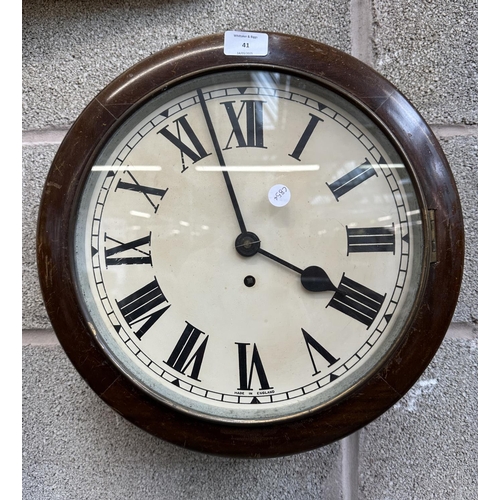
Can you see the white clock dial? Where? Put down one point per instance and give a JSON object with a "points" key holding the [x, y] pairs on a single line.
{"points": [[249, 238]]}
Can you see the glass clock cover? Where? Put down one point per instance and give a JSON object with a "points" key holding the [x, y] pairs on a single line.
{"points": [[326, 210]]}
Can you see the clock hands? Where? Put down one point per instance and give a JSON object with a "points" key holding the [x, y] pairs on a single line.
{"points": [[247, 244]]}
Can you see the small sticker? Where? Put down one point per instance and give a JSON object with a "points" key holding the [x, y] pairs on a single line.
{"points": [[279, 195], [245, 43]]}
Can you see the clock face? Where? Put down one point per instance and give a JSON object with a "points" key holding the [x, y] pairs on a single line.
{"points": [[249, 246]]}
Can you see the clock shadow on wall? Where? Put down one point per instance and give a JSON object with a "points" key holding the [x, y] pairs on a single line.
{"points": [[250, 255]]}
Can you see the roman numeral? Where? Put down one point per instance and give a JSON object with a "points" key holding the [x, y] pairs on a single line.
{"points": [[245, 374], [311, 342], [352, 179], [357, 301], [304, 139], [195, 150], [147, 191], [371, 239], [131, 253], [143, 307], [254, 137], [183, 357]]}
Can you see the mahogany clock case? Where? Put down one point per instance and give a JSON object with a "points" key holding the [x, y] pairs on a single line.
{"points": [[443, 232]]}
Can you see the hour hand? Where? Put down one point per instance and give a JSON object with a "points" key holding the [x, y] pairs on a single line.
{"points": [[315, 279], [312, 278]]}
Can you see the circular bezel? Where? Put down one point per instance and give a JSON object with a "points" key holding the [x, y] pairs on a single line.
{"points": [[443, 233], [317, 393]]}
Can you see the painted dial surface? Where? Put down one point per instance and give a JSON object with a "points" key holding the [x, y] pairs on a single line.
{"points": [[249, 246]]}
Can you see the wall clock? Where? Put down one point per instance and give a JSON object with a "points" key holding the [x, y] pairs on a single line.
{"points": [[250, 251]]}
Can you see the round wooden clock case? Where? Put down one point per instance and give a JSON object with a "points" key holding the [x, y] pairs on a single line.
{"points": [[250, 256]]}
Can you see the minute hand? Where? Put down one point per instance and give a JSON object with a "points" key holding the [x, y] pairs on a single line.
{"points": [[222, 163], [313, 278]]}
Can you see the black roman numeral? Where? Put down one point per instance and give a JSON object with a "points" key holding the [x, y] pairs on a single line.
{"points": [[183, 357], [144, 307], [147, 191], [357, 301], [311, 342], [352, 179], [195, 151], [128, 253], [254, 137], [245, 374], [371, 239], [304, 139]]}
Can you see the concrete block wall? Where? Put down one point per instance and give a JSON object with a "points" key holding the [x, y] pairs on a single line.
{"points": [[74, 446]]}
